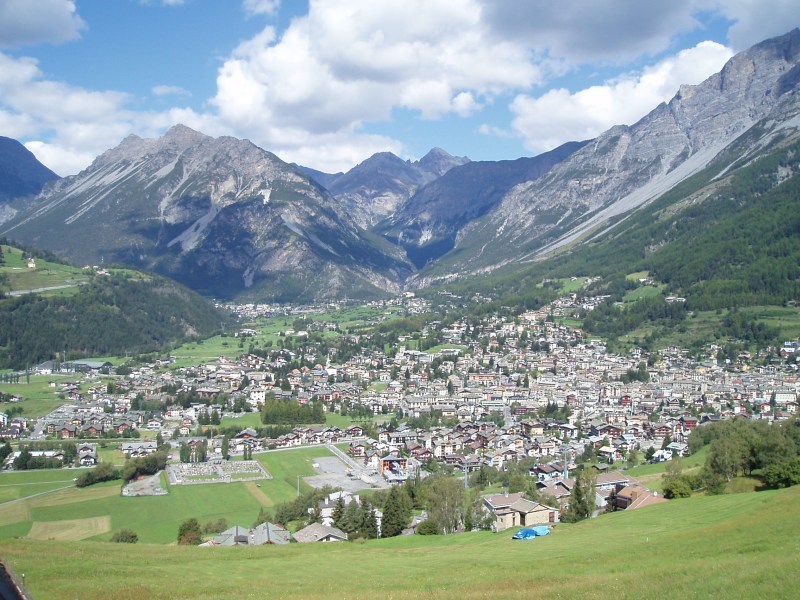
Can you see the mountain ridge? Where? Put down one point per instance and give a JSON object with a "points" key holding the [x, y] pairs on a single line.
{"points": [[218, 214], [375, 188], [227, 217], [628, 166]]}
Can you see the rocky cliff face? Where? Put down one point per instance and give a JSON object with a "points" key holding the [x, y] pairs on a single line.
{"points": [[428, 224], [220, 215], [377, 187], [628, 166]]}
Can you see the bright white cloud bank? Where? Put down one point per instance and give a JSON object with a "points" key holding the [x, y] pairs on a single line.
{"points": [[351, 62], [546, 121]]}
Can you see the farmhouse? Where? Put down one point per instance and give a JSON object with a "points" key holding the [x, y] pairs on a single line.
{"points": [[511, 510]]}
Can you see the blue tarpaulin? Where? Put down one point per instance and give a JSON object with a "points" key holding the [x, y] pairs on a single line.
{"points": [[528, 533]]}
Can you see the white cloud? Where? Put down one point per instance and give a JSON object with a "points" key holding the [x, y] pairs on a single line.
{"points": [[312, 91], [348, 63], [590, 31], [24, 22], [163, 2], [170, 90], [67, 126], [260, 7], [494, 131], [755, 20], [63, 160], [559, 116], [464, 104]]}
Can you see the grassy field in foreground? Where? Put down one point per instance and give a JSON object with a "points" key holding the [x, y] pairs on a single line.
{"points": [[734, 546]]}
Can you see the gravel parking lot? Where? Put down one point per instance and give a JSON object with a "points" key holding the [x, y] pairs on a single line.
{"points": [[333, 472]]}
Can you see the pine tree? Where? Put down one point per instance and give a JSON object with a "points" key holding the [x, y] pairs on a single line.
{"points": [[581, 505], [338, 513], [395, 513], [369, 521], [351, 522], [184, 453], [225, 448]]}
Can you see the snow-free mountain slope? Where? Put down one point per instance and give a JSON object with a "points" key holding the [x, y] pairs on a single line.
{"points": [[220, 215]]}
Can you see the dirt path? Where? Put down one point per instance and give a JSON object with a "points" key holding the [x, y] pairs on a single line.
{"points": [[258, 493]]}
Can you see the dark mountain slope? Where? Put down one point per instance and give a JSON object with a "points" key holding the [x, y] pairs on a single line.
{"points": [[21, 174], [428, 224]]}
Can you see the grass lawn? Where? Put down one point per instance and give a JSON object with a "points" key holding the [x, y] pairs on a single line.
{"points": [[645, 291], [337, 420], [46, 274], [733, 546], [21, 484], [785, 319], [704, 325], [285, 466], [39, 398], [208, 350], [154, 519], [243, 421], [441, 347], [651, 474]]}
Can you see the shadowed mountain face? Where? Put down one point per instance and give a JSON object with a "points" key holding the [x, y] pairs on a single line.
{"points": [[428, 224], [20, 173]]}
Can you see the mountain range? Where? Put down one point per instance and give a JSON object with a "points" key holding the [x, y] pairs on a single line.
{"points": [[230, 219]]}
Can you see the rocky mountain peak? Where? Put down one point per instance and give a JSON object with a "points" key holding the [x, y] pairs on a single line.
{"points": [[625, 168], [181, 136], [438, 161]]}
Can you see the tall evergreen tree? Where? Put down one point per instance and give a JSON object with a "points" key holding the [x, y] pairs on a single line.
{"points": [[369, 521], [581, 505], [225, 448], [338, 513], [351, 522], [395, 513]]}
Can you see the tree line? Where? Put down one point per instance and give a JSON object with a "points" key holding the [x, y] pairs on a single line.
{"points": [[290, 412], [108, 316], [739, 447]]}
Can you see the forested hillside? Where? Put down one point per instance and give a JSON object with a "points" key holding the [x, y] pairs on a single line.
{"points": [[111, 315], [724, 239]]}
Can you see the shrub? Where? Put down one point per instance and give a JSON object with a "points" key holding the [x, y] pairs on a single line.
{"points": [[125, 536], [102, 472], [189, 533], [428, 527]]}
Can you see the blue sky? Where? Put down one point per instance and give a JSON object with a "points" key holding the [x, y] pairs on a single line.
{"points": [[327, 83]]}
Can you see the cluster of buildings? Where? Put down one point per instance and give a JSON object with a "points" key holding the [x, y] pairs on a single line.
{"points": [[495, 390]]}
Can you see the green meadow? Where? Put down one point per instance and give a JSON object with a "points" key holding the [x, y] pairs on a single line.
{"points": [[45, 275], [731, 546], [38, 397], [36, 501], [651, 474]]}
